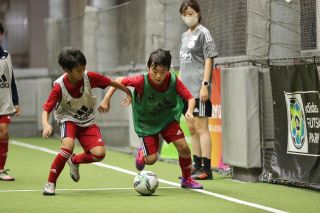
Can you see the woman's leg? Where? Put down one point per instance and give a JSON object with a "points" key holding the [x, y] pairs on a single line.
{"points": [[196, 147], [202, 128]]}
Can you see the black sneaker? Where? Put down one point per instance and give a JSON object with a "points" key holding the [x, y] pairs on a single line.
{"points": [[202, 176], [194, 170]]}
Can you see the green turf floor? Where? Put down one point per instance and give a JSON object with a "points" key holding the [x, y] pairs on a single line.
{"points": [[106, 190]]}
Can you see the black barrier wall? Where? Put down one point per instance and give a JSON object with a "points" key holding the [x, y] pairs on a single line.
{"points": [[296, 103]]}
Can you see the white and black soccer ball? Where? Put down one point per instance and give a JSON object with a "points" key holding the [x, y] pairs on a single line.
{"points": [[145, 182]]}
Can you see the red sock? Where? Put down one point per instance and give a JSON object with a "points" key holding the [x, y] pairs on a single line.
{"points": [[185, 165], [3, 153], [58, 164], [86, 158]]}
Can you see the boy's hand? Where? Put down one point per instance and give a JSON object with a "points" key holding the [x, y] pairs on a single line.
{"points": [[127, 100], [47, 130], [189, 115], [104, 106]]}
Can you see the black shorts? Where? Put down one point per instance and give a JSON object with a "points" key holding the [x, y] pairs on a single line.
{"points": [[201, 109]]}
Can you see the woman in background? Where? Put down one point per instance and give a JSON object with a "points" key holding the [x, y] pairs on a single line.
{"points": [[196, 61]]}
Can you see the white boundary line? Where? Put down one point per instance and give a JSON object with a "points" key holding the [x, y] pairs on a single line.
{"points": [[91, 189], [29, 146]]}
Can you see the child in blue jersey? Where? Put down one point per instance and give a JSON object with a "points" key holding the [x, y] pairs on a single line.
{"points": [[156, 111]]}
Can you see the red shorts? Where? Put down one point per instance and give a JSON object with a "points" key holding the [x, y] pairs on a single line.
{"points": [[88, 137], [5, 119], [172, 132]]}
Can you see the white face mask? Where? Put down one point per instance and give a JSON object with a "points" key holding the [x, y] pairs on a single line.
{"points": [[190, 21]]}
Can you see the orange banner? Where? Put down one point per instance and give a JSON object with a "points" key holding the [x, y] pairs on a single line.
{"points": [[215, 121]]}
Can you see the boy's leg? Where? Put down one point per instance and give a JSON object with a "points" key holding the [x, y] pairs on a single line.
{"points": [[148, 152], [95, 154], [185, 165], [4, 144], [68, 131], [59, 162], [91, 141], [174, 133], [57, 166]]}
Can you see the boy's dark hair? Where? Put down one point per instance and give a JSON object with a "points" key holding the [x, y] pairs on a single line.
{"points": [[193, 4], [1, 28], [70, 58], [160, 57]]}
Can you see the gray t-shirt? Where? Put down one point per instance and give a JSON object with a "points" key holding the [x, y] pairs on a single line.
{"points": [[196, 46]]}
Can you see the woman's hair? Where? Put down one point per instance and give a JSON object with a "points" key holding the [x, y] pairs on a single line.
{"points": [[70, 58], [160, 57], [193, 4]]}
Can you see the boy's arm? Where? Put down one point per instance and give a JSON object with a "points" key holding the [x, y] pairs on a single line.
{"points": [[105, 103], [117, 84], [47, 128], [48, 106], [15, 96]]}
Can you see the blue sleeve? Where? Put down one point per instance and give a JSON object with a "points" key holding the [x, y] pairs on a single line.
{"points": [[14, 91]]}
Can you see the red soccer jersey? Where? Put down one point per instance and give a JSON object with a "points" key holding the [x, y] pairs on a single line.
{"points": [[96, 81], [137, 82]]}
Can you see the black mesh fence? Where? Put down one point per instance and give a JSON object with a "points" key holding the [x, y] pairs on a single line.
{"points": [[308, 24], [227, 21]]}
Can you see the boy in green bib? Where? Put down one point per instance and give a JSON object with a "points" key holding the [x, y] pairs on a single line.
{"points": [[156, 109]]}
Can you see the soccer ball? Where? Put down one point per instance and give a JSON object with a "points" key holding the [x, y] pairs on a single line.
{"points": [[145, 182]]}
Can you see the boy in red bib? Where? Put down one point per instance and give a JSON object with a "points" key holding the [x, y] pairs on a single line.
{"points": [[156, 108], [75, 105]]}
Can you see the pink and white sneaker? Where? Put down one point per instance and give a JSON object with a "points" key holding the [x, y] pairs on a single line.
{"points": [[49, 189], [5, 177], [74, 170], [139, 160]]}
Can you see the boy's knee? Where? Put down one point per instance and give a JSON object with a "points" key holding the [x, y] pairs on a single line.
{"points": [[67, 143], [98, 158], [151, 159], [98, 154]]}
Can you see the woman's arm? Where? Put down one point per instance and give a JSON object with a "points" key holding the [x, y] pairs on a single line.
{"points": [[204, 91]]}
